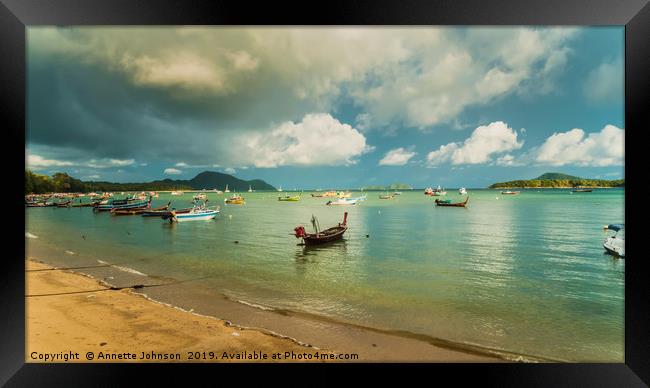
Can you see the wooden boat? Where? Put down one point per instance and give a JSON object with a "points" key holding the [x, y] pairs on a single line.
{"points": [[38, 204], [317, 195], [128, 212], [334, 233], [582, 191], [85, 204], [235, 200], [64, 203], [129, 203], [508, 192], [448, 202], [199, 197], [289, 198], [462, 191], [387, 196]]}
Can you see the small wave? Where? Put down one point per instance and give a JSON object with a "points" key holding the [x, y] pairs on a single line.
{"points": [[70, 252], [29, 235], [129, 270], [257, 306]]}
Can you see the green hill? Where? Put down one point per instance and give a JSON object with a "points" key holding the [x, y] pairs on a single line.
{"points": [[61, 182], [558, 180], [557, 175]]}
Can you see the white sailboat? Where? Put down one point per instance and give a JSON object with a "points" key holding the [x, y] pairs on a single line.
{"points": [[280, 189], [226, 190], [250, 189]]}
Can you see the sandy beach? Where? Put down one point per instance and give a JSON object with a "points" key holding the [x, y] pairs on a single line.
{"points": [[70, 315]]}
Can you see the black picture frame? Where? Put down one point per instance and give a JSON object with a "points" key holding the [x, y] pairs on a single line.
{"points": [[15, 15]]}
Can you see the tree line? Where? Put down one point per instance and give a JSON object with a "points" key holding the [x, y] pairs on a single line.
{"points": [[64, 183], [559, 183]]}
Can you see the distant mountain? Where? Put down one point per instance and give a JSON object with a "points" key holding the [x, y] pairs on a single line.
{"points": [[557, 175], [217, 180]]}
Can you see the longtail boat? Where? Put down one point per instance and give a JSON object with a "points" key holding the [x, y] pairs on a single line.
{"points": [[582, 190], [129, 203], [448, 202], [509, 192], [334, 233], [157, 212], [165, 214], [64, 203]]}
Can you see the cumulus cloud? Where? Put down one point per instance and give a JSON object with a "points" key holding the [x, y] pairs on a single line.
{"points": [[605, 83], [574, 147], [397, 157], [172, 171], [203, 89], [229, 170], [485, 141], [318, 140], [36, 161]]}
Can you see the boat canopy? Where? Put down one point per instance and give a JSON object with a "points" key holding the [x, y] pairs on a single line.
{"points": [[615, 227]]}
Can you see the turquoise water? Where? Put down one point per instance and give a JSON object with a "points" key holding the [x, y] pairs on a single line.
{"points": [[526, 274]]}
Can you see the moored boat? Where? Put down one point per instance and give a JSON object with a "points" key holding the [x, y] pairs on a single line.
{"points": [[197, 213], [289, 198], [582, 191], [615, 244], [462, 191], [235, 200], [343, 201], [334, 233], [509, 192], [447, 202]]}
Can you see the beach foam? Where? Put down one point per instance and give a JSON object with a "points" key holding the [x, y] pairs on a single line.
{"points": [[29, 235]]}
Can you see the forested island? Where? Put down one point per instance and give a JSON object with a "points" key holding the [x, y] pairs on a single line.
{"points": [[64, 183], [558, 180], [394, 186]]}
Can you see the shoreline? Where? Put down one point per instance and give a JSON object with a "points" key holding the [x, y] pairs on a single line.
{"points": [[129, 308]]}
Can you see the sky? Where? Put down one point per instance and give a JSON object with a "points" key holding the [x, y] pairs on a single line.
{"points": [[326, 107]]}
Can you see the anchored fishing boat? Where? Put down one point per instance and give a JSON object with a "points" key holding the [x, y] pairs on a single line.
{"points": [[250, 189], [582, 191], [343, 201], [387, 196], [289, 198], [129, 203], [508, 192], [462, 191], [438, 191], [320, 237], [199, 197], [197, 213], [615, 244], [447, 202], [64, 203], [235, 200]]}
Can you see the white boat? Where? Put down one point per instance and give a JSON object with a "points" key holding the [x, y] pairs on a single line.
{"points": [[198, 213], [510, 192], [462, 191], [438, 192], [344, 201], [200, 197], [250, 189], [280, 189], [615, 244], [226, 190]]}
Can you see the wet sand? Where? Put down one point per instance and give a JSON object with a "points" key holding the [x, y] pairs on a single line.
{"points": [[70, 315]]}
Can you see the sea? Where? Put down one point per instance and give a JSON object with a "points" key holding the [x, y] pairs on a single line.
{"points": [[522, 276]]}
